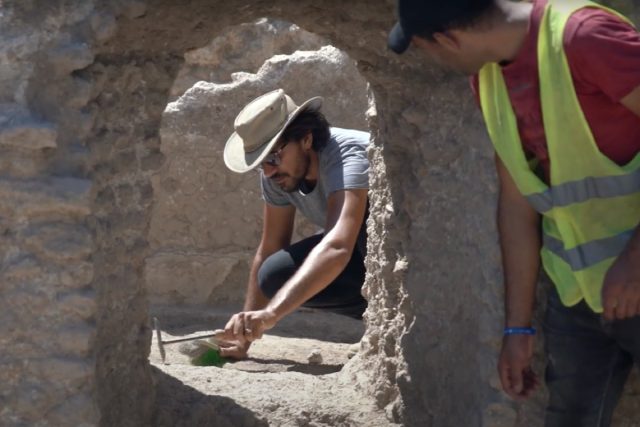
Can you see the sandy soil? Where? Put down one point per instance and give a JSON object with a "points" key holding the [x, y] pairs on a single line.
{"points": [[276, 386]]}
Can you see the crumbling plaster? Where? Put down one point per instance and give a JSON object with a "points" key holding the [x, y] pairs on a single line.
{"points": [[87, 82]]}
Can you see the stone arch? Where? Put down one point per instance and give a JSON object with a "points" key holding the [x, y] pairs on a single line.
{"points": [[131, 375], [86, 88]]}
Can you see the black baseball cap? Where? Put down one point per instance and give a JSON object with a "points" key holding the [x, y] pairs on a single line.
{"points": [[401, 34], [420, 17]]}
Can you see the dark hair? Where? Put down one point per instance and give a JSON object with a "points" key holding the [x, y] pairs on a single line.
{"points": [[308, 121], [437, 16]]}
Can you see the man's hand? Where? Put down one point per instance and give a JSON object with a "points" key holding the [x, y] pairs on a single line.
{"points": [[517, 378], [234, 350], [248, 326], [621, 287]]}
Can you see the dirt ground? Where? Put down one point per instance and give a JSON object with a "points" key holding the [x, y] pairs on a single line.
{"points": [[275, 386]]}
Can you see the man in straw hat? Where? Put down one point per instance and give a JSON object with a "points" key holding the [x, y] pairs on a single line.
{"points": [[321, 171], [558, 82]]}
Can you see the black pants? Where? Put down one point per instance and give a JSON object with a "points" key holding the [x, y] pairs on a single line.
{"points": [[342, 296], [588, 363]]}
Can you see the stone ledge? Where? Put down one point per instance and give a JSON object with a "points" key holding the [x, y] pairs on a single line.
{"points": [[65, 372], [45, 198], [70, 57], [60, 243], [20, 130]]}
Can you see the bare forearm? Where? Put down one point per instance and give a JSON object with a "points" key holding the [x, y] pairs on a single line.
{"points": [[323, 264], [255, 299], [520, 245]]}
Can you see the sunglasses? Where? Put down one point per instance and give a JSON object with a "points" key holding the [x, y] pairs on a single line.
{"points": [[273, 158]]}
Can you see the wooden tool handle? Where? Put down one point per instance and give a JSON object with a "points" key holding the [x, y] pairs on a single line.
{"points": [[215, 334]]}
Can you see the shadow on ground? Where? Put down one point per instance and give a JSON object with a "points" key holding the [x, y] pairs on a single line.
{"points": [[260, 364], [184, 406]]}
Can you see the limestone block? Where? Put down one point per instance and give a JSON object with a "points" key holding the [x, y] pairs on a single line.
{"points": [[64, 372], [45, 337], [58, 242], [49, 198], [70, 57], [20, 130], [73, 161], [103, 25], [78, 411], [81, 305], [258, 41], [315, 357], [22, 268], [15, 66], [30, 303], [21, 165], [74, 340], [28, 403], [190, 278], [132, 8], [76, 275], [78, 92]]}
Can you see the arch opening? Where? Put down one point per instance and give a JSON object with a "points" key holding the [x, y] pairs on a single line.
{"points": [[206, 222]]}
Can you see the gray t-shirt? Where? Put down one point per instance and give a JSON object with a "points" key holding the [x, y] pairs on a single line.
{"points": [[343, 164]]}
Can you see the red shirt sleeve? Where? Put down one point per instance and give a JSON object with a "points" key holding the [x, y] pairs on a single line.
{"points": [[604, 53]]}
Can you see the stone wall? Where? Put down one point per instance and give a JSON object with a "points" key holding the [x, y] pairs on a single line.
{"points": [[83, 88], [242, 48], [47, 304]]}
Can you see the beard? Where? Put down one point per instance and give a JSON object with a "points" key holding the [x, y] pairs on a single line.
{"points": [[291, 182], [287, 183]]}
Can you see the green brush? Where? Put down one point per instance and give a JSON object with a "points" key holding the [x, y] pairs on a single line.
{"points": [[210, 357], [203, 353]]}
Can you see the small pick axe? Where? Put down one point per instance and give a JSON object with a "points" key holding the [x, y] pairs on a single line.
{"points": [[217, 334]]}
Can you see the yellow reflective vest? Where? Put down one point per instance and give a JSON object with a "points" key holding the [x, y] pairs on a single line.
{"points": [[592, 205]]}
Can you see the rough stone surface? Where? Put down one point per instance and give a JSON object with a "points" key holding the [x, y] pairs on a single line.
{"points": [[242, 48], [277, 385], [19, 130], [44, 251], [315, 357], [99, 74], [206, 221]]}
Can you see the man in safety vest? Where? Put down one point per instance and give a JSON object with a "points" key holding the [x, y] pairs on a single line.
{"points": [[558, 82]]}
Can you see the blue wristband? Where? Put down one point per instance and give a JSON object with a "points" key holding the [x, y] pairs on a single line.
{"points": [[519, 331]]}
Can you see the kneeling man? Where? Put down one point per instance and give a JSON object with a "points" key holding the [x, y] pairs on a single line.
{"points": [[321, 171]]}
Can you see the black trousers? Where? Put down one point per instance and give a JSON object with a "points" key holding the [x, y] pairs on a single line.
{"points": [[342, 296], [588, 362]]}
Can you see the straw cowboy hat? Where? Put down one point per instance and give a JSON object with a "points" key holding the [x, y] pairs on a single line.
{"points": [[259, 126]]}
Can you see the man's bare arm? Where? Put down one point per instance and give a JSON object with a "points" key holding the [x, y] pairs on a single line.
{"points": [[519, 227], [345, 213], [277, 229]]}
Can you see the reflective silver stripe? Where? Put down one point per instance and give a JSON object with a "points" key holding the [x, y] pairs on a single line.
{"points": [[541, 202], [588, 188], [588, 254]]}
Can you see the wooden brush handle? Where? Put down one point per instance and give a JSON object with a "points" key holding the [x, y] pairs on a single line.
{"points": [[217, 333]]}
